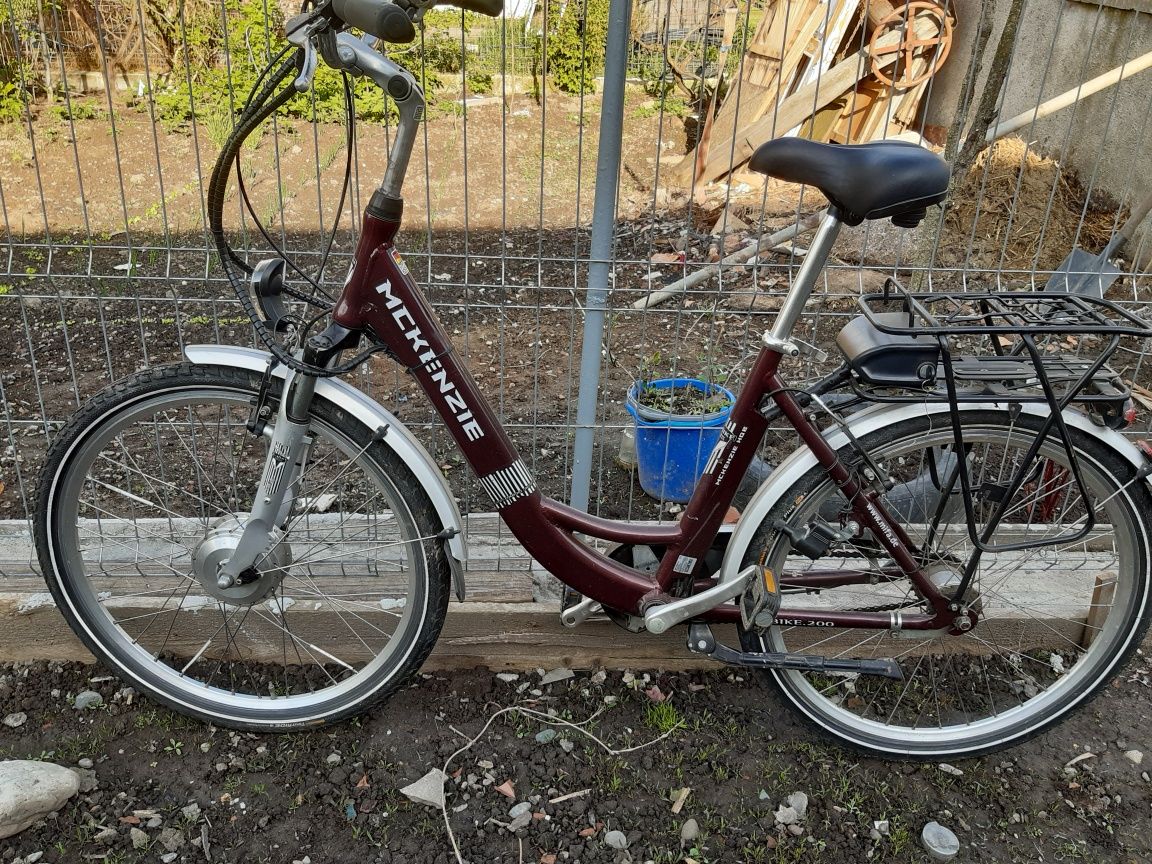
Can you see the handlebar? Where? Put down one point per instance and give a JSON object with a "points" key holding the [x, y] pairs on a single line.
{"points": [[392, 22], [378, 17], [491, 8]]}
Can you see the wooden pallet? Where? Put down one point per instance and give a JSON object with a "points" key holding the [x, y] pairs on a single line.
{"points": [[784, 43]]}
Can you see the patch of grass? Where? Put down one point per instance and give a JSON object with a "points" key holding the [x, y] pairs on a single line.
{"points": [[662, 716]]}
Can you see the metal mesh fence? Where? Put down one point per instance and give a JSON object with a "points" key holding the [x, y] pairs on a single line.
{"points": [[106, 265]]}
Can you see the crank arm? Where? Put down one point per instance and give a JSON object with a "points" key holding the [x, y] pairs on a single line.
{"points": [[701, 641]]}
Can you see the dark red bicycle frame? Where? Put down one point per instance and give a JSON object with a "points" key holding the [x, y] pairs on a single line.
{"points": [[381, 298]]}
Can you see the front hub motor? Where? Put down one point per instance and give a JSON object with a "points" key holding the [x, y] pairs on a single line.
{"points": [[257, 582]]}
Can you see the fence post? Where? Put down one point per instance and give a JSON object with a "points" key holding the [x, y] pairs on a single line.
{"points": [[602, 248]]}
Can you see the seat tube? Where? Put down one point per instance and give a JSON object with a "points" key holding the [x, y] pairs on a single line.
{"points": [[778, 338]]}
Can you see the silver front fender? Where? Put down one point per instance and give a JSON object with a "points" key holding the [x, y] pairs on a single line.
{"points": [[789, 472], [373, 415]]}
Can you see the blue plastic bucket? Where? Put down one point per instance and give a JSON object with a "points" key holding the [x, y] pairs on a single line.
{"points": [[672, 449]]}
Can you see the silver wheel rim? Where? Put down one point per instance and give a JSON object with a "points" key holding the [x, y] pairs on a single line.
{"points": [[1069, 688], [91, 606]]}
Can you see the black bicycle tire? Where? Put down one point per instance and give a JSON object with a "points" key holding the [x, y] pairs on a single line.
{"points": [[1136, 624], [120, 396]]}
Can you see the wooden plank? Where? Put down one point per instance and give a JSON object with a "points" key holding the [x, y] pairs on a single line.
{"points": [[806, 101], [771, 56], [502, 636], [1102, 598], [496, 635]]}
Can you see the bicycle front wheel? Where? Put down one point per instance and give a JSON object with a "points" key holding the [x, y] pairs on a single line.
{"points": [[148, 488], [1054, 623]]}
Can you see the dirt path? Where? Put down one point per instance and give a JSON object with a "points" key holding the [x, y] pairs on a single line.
{"points": [[333, 796]]}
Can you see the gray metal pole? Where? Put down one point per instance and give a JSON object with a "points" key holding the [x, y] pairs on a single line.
{"points": [[602, 246]]}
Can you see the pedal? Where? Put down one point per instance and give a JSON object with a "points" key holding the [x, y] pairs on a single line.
{"points": [[701, 641], [760, 601], [575, 608]]}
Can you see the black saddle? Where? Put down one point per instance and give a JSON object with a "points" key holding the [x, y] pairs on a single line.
{"points": [[863, 181]]}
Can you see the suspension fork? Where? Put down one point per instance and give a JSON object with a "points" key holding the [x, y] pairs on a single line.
{"points": [[287, 454]]}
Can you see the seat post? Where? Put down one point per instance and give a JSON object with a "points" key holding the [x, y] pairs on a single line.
{"points": [[778, 339]]}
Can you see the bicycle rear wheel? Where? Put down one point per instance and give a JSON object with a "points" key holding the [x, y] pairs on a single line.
{"points": [[1055, 623], [149, 486]]}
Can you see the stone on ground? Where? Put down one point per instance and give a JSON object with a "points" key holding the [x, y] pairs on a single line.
{"points": [[939, 842], [798, 801], [616, 839], [87, 699], [689, 831], [15, 720], [555, 675], [787, 816], [429, 789], [31, 790]]}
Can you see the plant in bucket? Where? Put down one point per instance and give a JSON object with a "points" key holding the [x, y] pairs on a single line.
{"points": [[677, 423]]}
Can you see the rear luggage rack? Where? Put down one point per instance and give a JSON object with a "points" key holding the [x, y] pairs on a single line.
{"points": [[1006, 348], [1013, 313]]}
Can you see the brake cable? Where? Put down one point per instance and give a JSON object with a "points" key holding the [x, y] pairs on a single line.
{"points": [[262, 102]]}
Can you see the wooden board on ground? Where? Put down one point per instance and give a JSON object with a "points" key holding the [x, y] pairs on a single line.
{"points": [[501, 636]]}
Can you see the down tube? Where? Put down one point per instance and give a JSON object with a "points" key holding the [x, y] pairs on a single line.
{"points": [[381, 294]]}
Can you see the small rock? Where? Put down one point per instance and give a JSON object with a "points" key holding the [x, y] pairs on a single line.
{"points": [[508, 677], [795, 830], [689, 831], [939, 842], [950, 769], [87, 699], [191, 812], [85, 763], [521, 821], [555, 675], [169, 857], [333, 759], [429, 789], [545, 736], [171, 839], [599, 677], [798, 801], [616, 840], [506, 789], [566, 745], [882, 826], [1134, 756], [30, 790], [139, 839], [16, 720], [33, 857], [206, 746], [787, 816], [105, 836], [519, 809]]}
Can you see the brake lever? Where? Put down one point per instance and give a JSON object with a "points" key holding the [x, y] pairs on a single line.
{"points": [[300, 31]]}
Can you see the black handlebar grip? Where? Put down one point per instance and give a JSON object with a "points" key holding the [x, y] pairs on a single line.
{"points": [[379, 17], [492, 8]]}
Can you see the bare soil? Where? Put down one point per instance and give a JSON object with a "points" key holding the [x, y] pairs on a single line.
{"points": [[333, 796]]}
